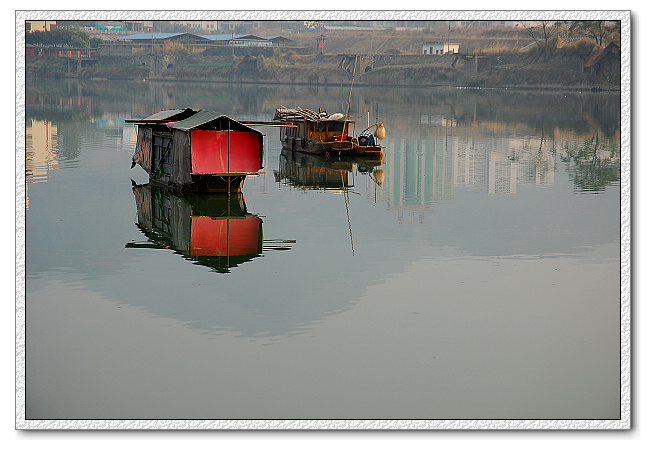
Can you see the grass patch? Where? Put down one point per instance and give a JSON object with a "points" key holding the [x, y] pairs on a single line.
{"points": [[204, 65]]}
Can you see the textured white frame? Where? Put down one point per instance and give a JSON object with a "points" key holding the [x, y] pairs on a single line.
{"points": [[394, 424]]}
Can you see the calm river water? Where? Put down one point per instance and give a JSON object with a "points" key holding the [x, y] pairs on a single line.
{"points": [[475, 274]]}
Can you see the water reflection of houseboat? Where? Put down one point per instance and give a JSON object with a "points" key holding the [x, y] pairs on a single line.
{"points": [[199, 151], [214, 230], [310, 171]]}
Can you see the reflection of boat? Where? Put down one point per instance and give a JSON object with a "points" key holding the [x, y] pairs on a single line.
{"points": [[214, 230], [197, 150], [320, 133], [311, 171]]}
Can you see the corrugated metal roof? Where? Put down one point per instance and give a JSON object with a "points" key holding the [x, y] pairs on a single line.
{"points": [[205, 116], [149, 36], [221, 37], [165, 114], [199, 118], [250, 37]]}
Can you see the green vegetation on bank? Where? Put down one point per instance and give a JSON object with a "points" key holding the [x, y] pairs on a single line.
{"points": [[46, 66], [63, 37]]}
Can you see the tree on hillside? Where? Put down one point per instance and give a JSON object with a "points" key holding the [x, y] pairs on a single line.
{"points": [[542, 33], [63, 37], [614, 32], [595, 29]]}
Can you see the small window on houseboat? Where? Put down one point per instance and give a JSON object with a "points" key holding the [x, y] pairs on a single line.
{"points": [[335, 127], [318, 127]]}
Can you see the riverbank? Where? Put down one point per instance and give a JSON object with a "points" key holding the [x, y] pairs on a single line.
{"points": [[501, 71]]}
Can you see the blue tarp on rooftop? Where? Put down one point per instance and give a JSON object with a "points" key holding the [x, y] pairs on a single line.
{"points": [[221, 37], [148, 36]]}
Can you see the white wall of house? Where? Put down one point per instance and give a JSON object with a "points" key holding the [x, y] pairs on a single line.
{"points": [[439, 48], [39, 25]]}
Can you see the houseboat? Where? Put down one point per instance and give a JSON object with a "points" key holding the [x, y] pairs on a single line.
{"points": [[323, 134], [200, 151]]}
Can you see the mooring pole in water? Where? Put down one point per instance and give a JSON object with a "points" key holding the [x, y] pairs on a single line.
{"points": [[229, 155], [228, 187], [347, 211], [345, 120], [377, 118]]}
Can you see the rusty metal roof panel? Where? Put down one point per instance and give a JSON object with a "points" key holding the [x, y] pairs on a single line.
{"points": [[599, 53]]}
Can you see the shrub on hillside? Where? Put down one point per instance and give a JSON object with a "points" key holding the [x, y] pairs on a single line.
{"points": [[175, 49], [583, 46]]}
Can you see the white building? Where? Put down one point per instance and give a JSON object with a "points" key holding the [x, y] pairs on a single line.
{"points": [[439, 48], [39, 25], [484, 23], [198, 25]]}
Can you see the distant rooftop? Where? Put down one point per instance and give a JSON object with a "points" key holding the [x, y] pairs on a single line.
{"points": [[208, 37], [221, 37], [147, 36]]}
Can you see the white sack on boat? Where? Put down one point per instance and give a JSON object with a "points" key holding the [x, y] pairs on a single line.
{"points": [[380, 132]]}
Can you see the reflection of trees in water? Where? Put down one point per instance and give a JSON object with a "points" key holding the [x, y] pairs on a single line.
{"points": [[469, 107], [593, 164]]}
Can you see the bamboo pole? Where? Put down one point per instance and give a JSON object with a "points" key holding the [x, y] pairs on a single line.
{"points": [[345, 120], [347, 210]]}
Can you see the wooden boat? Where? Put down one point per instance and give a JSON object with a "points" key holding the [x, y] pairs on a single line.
{"points": [[200, 151], [319, 133]]}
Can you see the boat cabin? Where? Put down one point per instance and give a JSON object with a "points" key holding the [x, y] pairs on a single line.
{"points": [[323, 131]]}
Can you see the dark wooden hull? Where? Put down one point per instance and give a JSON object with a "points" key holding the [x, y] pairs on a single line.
{"points": [[318, 148], [331, 148], [207, 184], [368, 150]]}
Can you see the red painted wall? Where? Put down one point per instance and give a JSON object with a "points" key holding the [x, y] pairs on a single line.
{"points": [[209, 237], [209, 152]]}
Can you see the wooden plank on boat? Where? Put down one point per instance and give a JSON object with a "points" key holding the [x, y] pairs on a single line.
{"points": [[266, 124]]}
